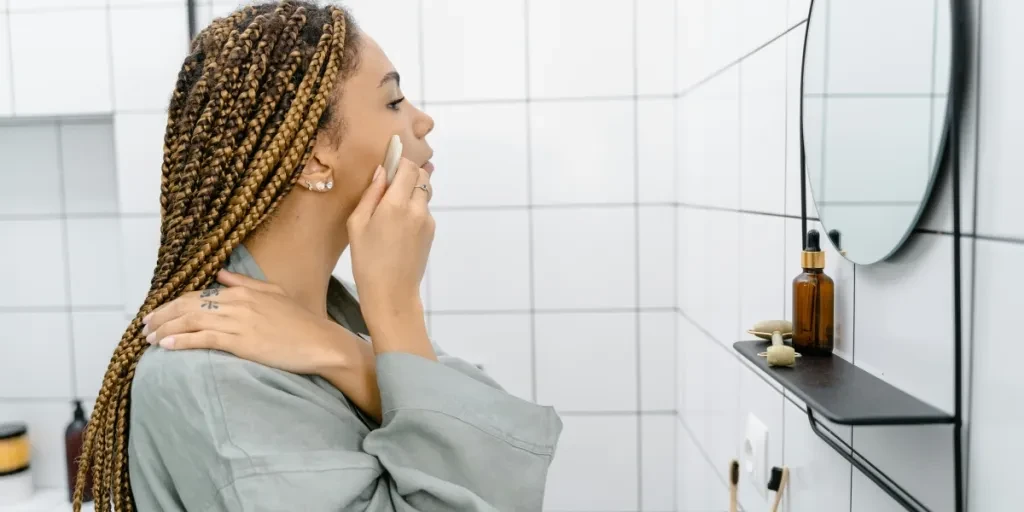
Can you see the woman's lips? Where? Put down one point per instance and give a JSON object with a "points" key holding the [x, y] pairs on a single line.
{"points": [[429, 167]]}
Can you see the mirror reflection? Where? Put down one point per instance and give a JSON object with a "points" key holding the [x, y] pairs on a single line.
{"points": [[875, 110]]}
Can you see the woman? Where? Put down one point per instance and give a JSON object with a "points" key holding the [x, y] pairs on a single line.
{"points": [[269, 394]]}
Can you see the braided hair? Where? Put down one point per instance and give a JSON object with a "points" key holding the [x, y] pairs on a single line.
{"points": [[250, 100]]}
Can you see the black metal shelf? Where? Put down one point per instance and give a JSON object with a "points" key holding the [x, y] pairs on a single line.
{"points": [[847, 395], [843, 393]]}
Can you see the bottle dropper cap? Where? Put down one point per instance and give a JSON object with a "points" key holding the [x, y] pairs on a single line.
{"points": [[812, 257], [79, 413]]}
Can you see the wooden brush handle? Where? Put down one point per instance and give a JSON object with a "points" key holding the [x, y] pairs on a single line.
{"points": [[782, 487]]}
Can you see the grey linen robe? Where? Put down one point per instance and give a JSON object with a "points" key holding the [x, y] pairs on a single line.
{"points": [[212, 432]]}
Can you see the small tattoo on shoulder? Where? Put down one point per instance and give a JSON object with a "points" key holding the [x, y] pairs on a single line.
{"points": [[210, 305], [212, 292]]}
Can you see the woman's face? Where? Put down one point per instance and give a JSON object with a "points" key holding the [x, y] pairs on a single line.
{"points": [[368, 111]]}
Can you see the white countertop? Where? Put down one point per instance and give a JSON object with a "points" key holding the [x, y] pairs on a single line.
{"points": [[46, 500]]}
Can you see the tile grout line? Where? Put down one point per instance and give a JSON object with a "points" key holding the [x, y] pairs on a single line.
{"points": [[110, 56], [531, 275], [714, 74], [636, 272], [705, 455], [675, 255], [66, 254]]}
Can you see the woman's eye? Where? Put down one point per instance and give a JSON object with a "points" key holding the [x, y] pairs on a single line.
{"points": [[394, 104]]}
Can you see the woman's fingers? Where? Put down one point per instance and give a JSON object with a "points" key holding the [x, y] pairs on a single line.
{"points": [[212, 340], [195, 321], [401, 188], [422, 193], [368, 203], [181, 304], [211, 301]]}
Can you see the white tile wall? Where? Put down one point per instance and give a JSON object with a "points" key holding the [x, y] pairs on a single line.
{"points": [[6, 99], [893, 319], [139, 146], [474, 50], [658, 469], [602, 350], [468, 248], [584, 258], [574, 56], [564, 170], [500, 342], [90, 173], [60, 305], [480, 167], [147, 46], [35, 244], [995, 414], [69, 74], [656, 150], [31, 169], [555, 207], [584, 478], [617, 193]]}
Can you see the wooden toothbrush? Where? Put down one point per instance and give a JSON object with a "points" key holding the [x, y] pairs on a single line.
{"points": [[777, 483], [734, 482]]}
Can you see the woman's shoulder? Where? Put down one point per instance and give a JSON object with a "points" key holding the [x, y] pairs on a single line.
{"points": [[179, 369], [170, 384], [237, 407], [204, 374], [224, 388]]}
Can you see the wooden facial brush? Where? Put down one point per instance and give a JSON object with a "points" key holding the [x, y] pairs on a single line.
{"points": [[392, 157]]}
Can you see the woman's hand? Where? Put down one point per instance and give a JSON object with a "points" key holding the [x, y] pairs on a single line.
{"points": [[390, 234], [250, 319], [256, 321]]}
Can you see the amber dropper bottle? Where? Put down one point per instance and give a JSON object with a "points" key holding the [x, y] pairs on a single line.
{"points": [[813, 302]]}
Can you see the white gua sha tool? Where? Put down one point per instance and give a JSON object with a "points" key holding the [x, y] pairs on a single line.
{"points": [[392, 157]]}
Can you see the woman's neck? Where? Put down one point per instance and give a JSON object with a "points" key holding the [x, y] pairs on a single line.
{"points": [[298, 253]]}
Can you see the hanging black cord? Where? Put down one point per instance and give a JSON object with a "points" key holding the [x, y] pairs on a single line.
{"points": [[191, 6]]}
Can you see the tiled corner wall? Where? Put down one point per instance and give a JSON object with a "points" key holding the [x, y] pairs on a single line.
{"points": [[83, 87], [738, 222], [570, 260], [553, 264]]}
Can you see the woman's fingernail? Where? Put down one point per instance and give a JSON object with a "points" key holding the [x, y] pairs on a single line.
{"points": [[145, 329], [151, 338], [147, 318], [167, 342], [378, 173]]}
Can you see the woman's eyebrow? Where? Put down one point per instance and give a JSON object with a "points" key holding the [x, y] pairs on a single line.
{"points": [[391, 75]]}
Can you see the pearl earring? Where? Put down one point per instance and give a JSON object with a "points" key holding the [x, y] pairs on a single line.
{"points": [[320, 186]]}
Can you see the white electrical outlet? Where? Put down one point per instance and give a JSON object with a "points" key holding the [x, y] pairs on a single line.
{"points": [[754, 464]]}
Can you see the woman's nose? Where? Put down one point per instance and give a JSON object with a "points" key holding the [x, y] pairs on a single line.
{"points": [[423, 125]]}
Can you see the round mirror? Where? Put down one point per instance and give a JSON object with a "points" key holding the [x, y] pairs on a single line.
{"points": [[876, 105]]}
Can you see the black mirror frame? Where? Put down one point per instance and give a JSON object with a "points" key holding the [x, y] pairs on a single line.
{"points": [[949, 151]]}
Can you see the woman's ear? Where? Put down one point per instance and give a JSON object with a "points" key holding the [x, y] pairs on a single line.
{"points": [[316, 175]]}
